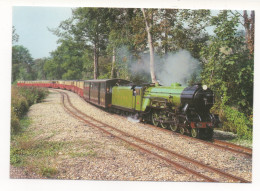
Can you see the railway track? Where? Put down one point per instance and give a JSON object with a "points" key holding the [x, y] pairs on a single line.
{"points": [[239, 149], [214, 143], [201, 171]]}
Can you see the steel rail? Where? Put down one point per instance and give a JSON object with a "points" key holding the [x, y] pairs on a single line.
{"points": [[234, 149], [234, 146], [163, 149]]}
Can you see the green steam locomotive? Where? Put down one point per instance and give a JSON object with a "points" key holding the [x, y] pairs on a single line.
{"points": [[183, 109]]}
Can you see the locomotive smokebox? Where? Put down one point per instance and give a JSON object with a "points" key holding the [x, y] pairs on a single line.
{"points": [[198, 98]]}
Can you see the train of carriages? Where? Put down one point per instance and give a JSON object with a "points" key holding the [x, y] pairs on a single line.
{"points": [[181, 109]]}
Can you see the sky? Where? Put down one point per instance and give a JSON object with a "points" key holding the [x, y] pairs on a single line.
{"points": [[32, 23]]}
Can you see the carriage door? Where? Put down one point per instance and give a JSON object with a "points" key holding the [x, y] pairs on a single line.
{"points": [[137, 98], [108, 96], [98, 88]]}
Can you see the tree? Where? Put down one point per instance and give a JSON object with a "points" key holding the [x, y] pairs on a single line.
{"points": [[228, 70], [15, 36], [120, 37], [249, 24], [163, 30], [21, 63], [168, 32], [38, 69], [91, 27], [89, 31], [66, 62], [226, 64], [148, 24], [52, 69]]}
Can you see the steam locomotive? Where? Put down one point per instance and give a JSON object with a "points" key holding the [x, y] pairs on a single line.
{"points": [[181, 109]]}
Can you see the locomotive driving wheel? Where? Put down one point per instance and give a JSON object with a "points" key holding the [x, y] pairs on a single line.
{"points": [[182, 130], [155, 118], [194, 132], [174, 125], [164, 117]]}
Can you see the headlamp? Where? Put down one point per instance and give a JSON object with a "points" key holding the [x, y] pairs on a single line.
{"points": [[204, 87]]}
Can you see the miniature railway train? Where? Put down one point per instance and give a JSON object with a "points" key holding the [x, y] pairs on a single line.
{"points": [[182, 109]]}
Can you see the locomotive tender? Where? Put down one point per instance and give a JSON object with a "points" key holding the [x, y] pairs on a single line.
{"points": [[183, 109]]}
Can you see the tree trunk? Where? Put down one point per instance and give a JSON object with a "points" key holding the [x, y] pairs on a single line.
{"points": [[113, 63], [150, 43], [95, 62], [166, 41], [249, 24]]}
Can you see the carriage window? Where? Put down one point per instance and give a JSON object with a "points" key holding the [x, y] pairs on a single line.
{"points": [[137, 91], [102, 87], [86, 85], [109, 89], [94, 86]]}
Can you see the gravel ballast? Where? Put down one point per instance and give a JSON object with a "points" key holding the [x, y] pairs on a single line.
{"points": [[92, 155]]}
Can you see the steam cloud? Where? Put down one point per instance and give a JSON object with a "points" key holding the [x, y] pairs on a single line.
{"points": [[176, 67]]}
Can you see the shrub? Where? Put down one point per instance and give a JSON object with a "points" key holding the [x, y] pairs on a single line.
{"points": [[29, 93], [237, 122], [19, 105], [22, 99], [15, 124]]}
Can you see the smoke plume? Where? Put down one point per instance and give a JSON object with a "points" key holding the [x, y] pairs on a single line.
{"points": [[175, 67], [178, 67]]}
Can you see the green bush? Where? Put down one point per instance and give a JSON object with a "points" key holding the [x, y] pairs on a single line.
{"points": [[15, 123], [30, 93], [236, 122], [19, 105], [22, 99]]}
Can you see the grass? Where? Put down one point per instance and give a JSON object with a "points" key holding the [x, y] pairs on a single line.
{"points": [[24, 148], [233, 138], [90, 153], [242, 142], [48, 171], [25, 122], [34, 154]]}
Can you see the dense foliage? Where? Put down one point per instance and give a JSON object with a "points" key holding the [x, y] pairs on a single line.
{"points": [[22, 98], [228, 70], [113, 43]]}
